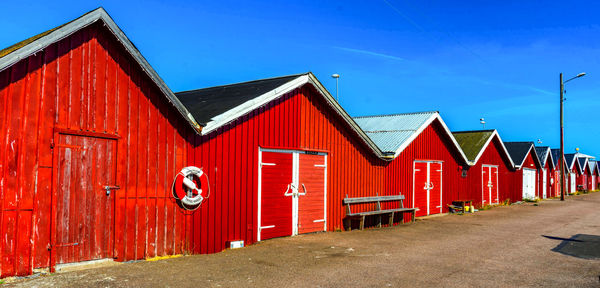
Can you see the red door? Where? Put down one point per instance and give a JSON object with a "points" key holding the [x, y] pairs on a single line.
{"points": [[275, 203], [557, 183], [421, 188], [435, 194], [311, 201], [490, 185], [427, 187], [83, 218], [485, 182]]}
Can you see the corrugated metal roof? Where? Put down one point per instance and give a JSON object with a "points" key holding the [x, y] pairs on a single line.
{"points": [[389, 132]]}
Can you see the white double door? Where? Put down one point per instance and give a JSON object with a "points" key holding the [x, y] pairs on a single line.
{"points": [[528, 183]]}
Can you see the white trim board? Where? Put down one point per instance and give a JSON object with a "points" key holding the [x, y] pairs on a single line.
{"points": [[82, 22]]}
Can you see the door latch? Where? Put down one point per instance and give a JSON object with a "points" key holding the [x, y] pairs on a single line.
{"points": [[109, 188]]}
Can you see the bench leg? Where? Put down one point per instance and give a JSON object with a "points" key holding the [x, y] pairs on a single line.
{"points": [[378, 221], [412, 216], [362, 223], [391, 222], [348, 223]]}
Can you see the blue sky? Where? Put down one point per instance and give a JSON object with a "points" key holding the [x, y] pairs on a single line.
{"points": [[466, 59]]}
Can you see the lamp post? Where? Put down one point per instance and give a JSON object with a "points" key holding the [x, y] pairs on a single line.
{"points": [[337, 79], [562, 135]]}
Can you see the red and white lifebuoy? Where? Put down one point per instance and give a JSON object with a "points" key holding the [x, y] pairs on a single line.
{"points": [[191, 187]]}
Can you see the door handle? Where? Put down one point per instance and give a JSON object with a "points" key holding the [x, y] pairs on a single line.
{"points": [[293, 188], [303, 188], [109, 188]]}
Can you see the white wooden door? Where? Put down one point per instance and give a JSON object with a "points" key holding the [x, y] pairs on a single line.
{"points": [[544, 183]]}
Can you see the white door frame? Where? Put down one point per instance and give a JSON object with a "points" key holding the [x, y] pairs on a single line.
{"points": [[489, 182], [429, 181], [573, 183], [295, 182], [544, 182], [529, 183]]}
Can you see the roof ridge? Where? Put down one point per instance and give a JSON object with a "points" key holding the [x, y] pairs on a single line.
{"points": [[396, 114], [474, 131], [244, 82]]}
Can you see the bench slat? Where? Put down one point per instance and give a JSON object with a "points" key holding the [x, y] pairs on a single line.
{"points": [[381, 212], [372, 199]]}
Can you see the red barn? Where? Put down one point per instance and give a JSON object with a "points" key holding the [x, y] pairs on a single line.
{"points": [[595, 173], [428, 162], [555, 181], [281, 154], [546, 176], [490, 177], [575, 170], [91, 141], [586, 173], [527, 165]]}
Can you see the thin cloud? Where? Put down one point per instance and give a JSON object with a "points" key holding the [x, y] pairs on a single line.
{"points": [[370, 53]]}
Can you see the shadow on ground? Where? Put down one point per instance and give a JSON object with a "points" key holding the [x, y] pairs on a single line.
{"points": [[582, 246]]}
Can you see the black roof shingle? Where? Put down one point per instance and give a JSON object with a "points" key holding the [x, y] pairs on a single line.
{"points": [[204, 104]]}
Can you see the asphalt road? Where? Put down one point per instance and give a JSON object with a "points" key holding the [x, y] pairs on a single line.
{"points": [[553, 244]]}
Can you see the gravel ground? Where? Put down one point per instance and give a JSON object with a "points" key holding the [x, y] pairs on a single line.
{"points": [[515, 246]]}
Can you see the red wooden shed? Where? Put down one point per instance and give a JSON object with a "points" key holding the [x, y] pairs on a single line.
{"points": [[546, 175], [490, 178], [91, 141], [556, 185], [527, 165], [575, 171], [595, 173], [584, 176], [428, 162]]}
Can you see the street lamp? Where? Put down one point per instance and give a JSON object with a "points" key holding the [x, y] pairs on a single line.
{"points": [[482, 121], [337, 79], [562, 134]]}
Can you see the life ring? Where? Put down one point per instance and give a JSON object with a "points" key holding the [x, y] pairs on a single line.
{"points": [[191, 187]]}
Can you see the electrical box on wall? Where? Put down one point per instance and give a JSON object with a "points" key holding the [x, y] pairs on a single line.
{"points": [[236, 244]]}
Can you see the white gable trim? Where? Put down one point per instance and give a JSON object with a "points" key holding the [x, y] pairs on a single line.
{"points": [[309, 78], [495, 133], [82, 22], [425, 124]]}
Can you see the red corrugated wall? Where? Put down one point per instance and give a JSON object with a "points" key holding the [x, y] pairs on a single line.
{"points": [[87, 83], [491, 156], [298, 120]]}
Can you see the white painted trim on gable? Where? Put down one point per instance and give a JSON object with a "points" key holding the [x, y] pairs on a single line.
{"points": [[425, 124], [495, 133], [82, 22], [267, 97]]}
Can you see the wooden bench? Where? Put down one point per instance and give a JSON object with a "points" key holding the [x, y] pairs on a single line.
{"points": [[378, 212]]}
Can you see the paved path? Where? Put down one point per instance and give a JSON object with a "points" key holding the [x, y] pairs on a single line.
{"points": [[502, 247]]}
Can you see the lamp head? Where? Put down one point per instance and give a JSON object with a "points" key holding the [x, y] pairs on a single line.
{"points": [[335, 76], [581, 74]]}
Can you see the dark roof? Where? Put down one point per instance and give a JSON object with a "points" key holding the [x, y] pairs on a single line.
{"points": [[472, 142], [206, 103], [581, 162], [555, 156], [518, 151], [570, 158], [542, 153]]}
